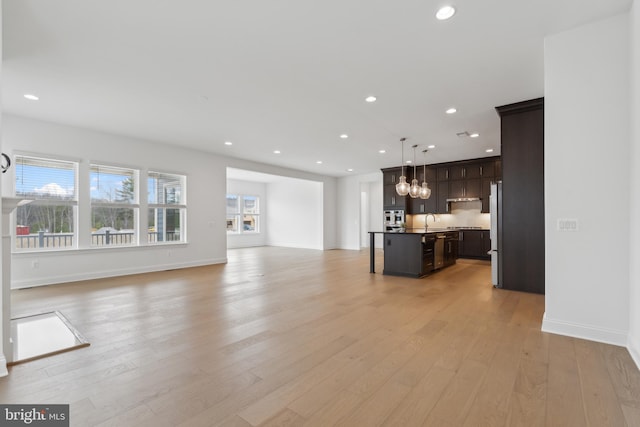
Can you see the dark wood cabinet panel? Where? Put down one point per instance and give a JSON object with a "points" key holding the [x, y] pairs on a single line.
{"points": [[472, 188], [485, 193], [456, 189], [474, 244], [442, 173], [522, 233], [408, 254], [487, 169], [457, 172], [390, 176], [472, 171], [391, 199], [443, 195], [498, 169]]}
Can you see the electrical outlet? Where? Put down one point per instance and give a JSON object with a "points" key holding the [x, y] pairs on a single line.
{"points": [[567, 224], [35, 264]]}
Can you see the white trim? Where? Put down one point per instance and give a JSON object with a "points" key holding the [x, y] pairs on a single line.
{"points": [[3, 366], [634, 350], [113, 273], [587, 332]]}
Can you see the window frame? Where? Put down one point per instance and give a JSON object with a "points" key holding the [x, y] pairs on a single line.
{"points": [[238, 217], [71, 203], [134, 204], [181, 207]]}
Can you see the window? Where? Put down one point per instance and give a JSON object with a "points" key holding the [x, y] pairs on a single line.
{"points": [[47, 222], [167, 207], [243, 214], [114, 208]]}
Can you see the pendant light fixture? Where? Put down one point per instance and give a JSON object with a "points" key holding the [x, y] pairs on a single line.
{"points": [[402, 187], [414, 190], [425, 191]]}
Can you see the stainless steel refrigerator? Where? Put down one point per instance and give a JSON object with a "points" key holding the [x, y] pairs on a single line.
{"points": [[495, 211]]}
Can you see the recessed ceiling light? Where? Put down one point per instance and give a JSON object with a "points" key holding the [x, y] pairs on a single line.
{"points": [[31, 97], [370, 98], [382, 151], [431, 146], [445, 12], [344, 136], [319, 162], [408, 161], [349, 170], [276, 151], [474, 135], [489, 150], [228, 143], [451, 110]]}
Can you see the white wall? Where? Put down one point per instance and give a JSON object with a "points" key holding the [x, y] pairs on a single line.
{"points": [[349, 196], [634, 295], [587, 178], [295, 214], [245, 240], [206, 190]]}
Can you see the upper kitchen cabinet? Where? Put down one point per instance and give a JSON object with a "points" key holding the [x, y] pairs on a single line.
{"points": [[442, 196], [521, 256], [424, 206], [391, 176], [391, 200], [442, 173]]}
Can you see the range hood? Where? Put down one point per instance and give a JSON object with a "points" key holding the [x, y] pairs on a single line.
{"points": [[464, 199]]}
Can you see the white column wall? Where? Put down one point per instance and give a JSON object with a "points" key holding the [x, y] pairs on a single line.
{"points": [[295, 214], [349, 189], [634, 294], [587, 178]]}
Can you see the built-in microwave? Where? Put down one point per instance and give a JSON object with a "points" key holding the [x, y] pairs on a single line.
{"points": [[393, 220]]}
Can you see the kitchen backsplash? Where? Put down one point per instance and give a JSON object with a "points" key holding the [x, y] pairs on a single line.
{"points": [[463, 214]]}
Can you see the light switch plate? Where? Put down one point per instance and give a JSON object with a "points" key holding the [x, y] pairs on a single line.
{"points": [[567, 224]]}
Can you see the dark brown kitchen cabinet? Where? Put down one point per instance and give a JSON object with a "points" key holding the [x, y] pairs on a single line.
{"points": [[486, 244], [443, 195], [419, 206], [485, 194], [487, 169], [391, 176], [451, 248], [521, 239], [464, 188], [467, 170], [431, 175], [443, 173], [391, 199], [408, 254], [474, 244]]}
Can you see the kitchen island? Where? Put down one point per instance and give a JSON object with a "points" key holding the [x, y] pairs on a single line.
{"points": [[416, 252]]}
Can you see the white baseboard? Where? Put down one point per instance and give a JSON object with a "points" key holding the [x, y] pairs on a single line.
{"points": [[634, 350], [587, 332], [66, 278], [3, 366]]}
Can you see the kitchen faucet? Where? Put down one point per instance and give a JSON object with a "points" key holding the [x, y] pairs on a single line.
{"points": [[426, 217]]}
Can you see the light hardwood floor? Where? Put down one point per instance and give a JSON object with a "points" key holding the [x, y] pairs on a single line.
{"points": [[301, 337]]}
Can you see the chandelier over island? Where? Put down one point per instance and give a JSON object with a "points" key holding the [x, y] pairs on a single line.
{"points": [[402, 187], [414, 190]]}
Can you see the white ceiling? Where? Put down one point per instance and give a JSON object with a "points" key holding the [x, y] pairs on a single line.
{"points": [[288, 75]]}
